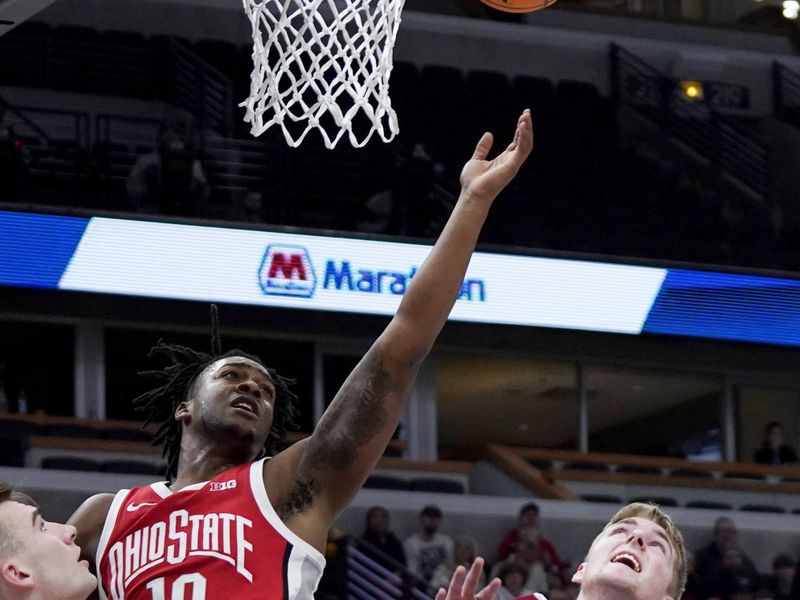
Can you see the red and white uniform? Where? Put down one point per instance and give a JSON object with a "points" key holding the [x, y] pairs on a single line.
{"points": [[216, 540]]}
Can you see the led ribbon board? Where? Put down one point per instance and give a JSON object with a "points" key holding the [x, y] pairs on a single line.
{"points": [[190, 262]]}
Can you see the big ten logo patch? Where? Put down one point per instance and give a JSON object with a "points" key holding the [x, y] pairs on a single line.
{"points": [[219, 486]]}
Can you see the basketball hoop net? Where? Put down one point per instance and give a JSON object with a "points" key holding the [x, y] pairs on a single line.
{"points": [[323, 64]]}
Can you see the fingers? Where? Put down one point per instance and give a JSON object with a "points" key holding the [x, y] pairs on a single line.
{"points": [[483, 147], [473, 576], [524, 135], [456, 583], [489, 592], [441, 594]]}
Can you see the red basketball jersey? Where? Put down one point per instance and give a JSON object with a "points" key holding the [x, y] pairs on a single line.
{"points": [[209, 541]]}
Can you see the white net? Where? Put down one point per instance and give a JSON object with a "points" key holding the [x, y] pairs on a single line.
{"points": [[325, 65]]}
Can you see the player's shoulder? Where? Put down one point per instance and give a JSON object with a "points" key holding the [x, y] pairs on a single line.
{"points": [[94, 508]]}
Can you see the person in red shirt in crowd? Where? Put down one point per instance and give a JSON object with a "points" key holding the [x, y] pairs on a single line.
{"points": [[528, 518]]}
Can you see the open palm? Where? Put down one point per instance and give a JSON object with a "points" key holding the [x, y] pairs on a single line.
{"points": [[483, 178]]}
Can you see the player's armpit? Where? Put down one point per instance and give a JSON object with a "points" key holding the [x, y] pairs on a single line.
{"points": [[89, 520]]}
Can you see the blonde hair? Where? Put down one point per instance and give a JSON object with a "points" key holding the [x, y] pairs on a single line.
{"points": [[9, 546], [653, 513]]}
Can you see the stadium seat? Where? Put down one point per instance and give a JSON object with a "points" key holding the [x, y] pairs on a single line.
{"points": [[130, 466], [691, 473], [127, 434], [584, 466], [73, 431], [602, 498], [386, 482], [643, 469], [542, 465], [70, 463], [764, 508], [707, 504], [660, 500], [749, 476], [441, 486]]}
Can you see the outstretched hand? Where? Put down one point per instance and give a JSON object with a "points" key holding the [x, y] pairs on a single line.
{"points": [[464, 584], [485, 179]]}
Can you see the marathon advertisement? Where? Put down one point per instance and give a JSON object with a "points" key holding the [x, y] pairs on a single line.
{"points": [[342, 274]]}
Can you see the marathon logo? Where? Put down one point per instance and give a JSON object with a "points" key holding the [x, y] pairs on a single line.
{"points": [[214, 535], [287, 271]]}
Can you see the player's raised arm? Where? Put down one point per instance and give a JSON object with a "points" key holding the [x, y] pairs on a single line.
{"points": [[332, 465]]}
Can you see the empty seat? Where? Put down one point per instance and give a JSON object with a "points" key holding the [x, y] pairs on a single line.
{"points": [[542, 465], [764, 508], [441, 486], [691, 473], [660, 500], [603, 498], [386, 482], [75, 431], [70, 463], [12, 451], [137, 467], [709, 505], [127, 434], [584, 466], [751, 476], [639, 469], [19, 429]]}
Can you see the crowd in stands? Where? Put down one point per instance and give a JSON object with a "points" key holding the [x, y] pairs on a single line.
{"points": [[528, 563], [585, 189]]}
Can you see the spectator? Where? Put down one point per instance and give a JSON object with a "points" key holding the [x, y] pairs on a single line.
{"points": [[710, 560], [169, 180], [427, 549], [527, 552], [734, 577], [514, 577], [378, 534], [783, 573], [465, 550], [529, 517], [774, 451]]}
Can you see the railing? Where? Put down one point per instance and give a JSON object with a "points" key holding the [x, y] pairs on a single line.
{"points": [[371, 575], [724, 142], [200, 88], [786, 93]]}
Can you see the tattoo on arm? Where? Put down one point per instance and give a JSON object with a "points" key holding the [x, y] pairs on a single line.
{"points": [[358, 414]]}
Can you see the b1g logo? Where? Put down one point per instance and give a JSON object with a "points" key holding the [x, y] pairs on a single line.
{"points": [[286, 270]]}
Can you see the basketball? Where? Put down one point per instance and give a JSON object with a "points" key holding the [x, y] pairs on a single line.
{"points": [[518, 6]]}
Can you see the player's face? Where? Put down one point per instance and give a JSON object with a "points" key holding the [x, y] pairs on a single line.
{"points": [[48, 560], [236, 396], [630, 560]]}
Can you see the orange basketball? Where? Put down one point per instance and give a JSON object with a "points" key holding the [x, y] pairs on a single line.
{"points": [[518, 6]]}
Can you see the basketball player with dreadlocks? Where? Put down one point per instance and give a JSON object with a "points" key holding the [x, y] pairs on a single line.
{"points": [[229, 523]]}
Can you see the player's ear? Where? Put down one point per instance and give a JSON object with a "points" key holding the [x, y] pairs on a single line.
{"points": [[15, 575], [578, 577], [182, 412]]}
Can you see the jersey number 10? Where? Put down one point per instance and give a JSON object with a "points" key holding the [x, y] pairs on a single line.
{"points": [[195, 580]]}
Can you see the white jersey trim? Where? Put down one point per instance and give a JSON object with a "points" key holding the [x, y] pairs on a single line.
{"points": [[163, 491], [262, 499], [108, 528]]}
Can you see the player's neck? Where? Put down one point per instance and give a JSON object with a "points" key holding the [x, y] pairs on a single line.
{"points": [[596, 593], [201, 462]]}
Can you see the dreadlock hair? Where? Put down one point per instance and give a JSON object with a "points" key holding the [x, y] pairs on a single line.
{"points": [[185, 366]]}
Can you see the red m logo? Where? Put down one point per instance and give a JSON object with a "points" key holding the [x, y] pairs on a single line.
{"points": [[287, 266]]}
